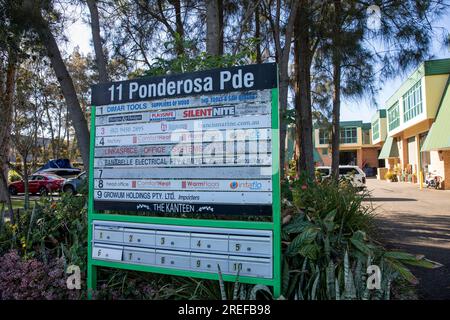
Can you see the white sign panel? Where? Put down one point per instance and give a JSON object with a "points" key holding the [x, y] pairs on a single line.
{"points": [[184, 184]]}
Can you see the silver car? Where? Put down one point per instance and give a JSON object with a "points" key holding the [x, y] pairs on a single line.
{"points": [[71, 185]]}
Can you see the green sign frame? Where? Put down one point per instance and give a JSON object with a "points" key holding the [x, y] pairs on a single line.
{"points": [[274, 226]]}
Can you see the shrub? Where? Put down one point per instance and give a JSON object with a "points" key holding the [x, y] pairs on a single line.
{"points": [[329, 243], [390, 176], [49, 228], [27, 279], [13, 176]]}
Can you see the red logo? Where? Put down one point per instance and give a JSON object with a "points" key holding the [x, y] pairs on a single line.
{"points": [[133, 184], [183, 184], [134, 139]]}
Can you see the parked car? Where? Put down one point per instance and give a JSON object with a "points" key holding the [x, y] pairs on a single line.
{"points": [[59, 167], [71, 185], [38, 183], [356, 175]]}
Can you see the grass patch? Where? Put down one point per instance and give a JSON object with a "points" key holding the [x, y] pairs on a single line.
{"points": [[17, 203]]}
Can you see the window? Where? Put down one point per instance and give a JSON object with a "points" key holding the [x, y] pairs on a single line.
{"points": [[366, 137], [348, 135], [376, 129], [324, 136], [393, 117], [412, 102]]}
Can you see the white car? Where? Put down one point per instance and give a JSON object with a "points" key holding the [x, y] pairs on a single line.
{"points": [[358, 177]]}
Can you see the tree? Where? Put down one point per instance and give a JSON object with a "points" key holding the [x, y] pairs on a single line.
{"points": [[97, 41], [282, 54], [214, 31], [308, 37], [404, 31], [10, 54], [30, 13]]}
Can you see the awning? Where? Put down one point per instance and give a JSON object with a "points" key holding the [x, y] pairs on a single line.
{"points": [[439, 135], [389, 150]]}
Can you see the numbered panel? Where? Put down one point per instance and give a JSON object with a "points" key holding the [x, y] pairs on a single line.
{"points": [[209, 263], [186, 248], [108, 234], [139, 237], [259, 267], [209, 242], [173, 259], [105, 252], [249, 245], [172, 240], [139, 255]]}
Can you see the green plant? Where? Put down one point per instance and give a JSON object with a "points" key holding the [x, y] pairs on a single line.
{"points": [[50, 228], [329, 243], [13, 176], [391, 176]]}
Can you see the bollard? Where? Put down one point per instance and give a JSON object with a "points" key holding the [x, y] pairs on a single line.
{"points": [[420, 180]]}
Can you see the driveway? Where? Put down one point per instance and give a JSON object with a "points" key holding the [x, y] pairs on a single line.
{"points": [[416, 221]]}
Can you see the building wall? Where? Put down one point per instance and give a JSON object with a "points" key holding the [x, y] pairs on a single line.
{"points": [[367, 156], [436, 164], [446, 175], [435, 86], [383, 129], [432, 90], [370, 157]]}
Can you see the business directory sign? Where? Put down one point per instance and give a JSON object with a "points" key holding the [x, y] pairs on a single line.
{"points": [[202, 143]]}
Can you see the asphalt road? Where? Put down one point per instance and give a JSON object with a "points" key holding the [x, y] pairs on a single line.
{"points": [[416, 221]]}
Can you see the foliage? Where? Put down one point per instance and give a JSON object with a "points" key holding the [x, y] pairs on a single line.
{"points": [[13, 176], [114, 284], [26, 279], [329, 243], [391, 176], [202, 61], [50, 229]]}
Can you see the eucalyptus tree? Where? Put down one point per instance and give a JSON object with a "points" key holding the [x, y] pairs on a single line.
{"points": [[25, 128], [214, 27], [41, 18], [281, 16], [12, 41], [100, 58]]}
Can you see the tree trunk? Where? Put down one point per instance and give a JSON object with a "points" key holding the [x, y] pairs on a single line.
{"points": [[335, 131], [282, 55], [73, 105], [179, 27], [213, 32], [97, 40], [221, 26], [26, 184], [6, 103], [283, 99], [303, 102], [258, 35]]}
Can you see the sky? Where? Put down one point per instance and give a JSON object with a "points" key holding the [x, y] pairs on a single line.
{"points": [[79, 35]]}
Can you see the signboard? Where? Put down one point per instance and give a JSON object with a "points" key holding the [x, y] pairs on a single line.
{"points": [[202, 143]]}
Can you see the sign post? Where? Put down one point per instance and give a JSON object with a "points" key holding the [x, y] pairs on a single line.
{"points": [[168, 154]]}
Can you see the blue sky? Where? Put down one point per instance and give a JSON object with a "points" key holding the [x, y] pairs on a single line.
{"points": [[79, 35]]}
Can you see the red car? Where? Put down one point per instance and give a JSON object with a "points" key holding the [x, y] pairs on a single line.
{"points": [[38, 183]]}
